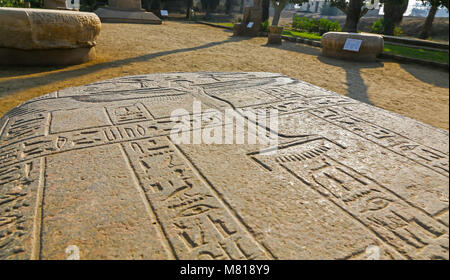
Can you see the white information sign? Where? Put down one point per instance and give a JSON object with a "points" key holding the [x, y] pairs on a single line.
{"points": [[250, 24], [73, 4], [164, 13], [352, 45]]}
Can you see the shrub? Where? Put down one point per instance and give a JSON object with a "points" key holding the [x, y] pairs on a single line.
{"points": [[378, 26], [10, 3], [311, 25], [398, 31], [19, 3], [265, 26]]}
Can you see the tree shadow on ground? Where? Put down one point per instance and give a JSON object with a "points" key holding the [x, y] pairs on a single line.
{"points": [[426, 74], [357, 89], [31, 82], [18, 71], [291, 46]]}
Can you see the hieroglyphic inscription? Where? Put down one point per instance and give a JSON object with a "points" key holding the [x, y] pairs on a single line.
{"points": [[128, 113], [195, 219], [196, 222], [406, 228], [18, 186], [426, 156], [24, 127], [224, 86], [81, 139]]}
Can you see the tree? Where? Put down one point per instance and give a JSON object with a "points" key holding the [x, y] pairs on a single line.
{"points": [[189, 4], [279, 5], [265, 7], [355, 10], [393, 14], [228, 6], [435, 4]]}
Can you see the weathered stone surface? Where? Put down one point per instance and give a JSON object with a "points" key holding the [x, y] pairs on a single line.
{"points": [[333, 45], [42, 29], [94, 167], [126, 11], [47, 37], [46, 57]]}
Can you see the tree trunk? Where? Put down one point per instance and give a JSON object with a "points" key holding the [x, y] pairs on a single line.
{"points": [[426, 31], [204, 5], [393, 14], [189, 4], [353, 12], [228, 6], [278, 9], [208, 10], [265, 9], [155, 7]]}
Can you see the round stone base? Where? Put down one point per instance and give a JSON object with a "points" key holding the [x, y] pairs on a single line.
{"points": [[333, 46], [10, 56]]}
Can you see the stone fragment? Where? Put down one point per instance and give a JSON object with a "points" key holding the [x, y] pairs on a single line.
{"points": [[47, 37], [93, 172], [333, 46]]}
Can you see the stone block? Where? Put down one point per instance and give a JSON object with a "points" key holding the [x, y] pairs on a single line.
{"points": [[333, 46]]}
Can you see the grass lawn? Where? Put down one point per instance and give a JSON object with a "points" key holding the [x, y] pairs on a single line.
{"points": [[437, 56], [304, 35], [227, 24]]}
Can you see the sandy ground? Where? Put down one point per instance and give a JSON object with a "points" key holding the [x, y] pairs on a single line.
{"points": [[419, 92]]}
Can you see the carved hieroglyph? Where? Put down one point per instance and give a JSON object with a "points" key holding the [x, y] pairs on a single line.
{"points": [[94, 168]]}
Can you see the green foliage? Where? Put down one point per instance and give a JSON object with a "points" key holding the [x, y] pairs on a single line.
{"points": [[437, 56], [398, 31], [11, 3], [304, 35], [265, 26], [311, 25], [19, 3], [378, 27], [226, 24]]}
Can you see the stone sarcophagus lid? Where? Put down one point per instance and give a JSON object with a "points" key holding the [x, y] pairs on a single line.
{"points": [[126, 11], [101, 170]]}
